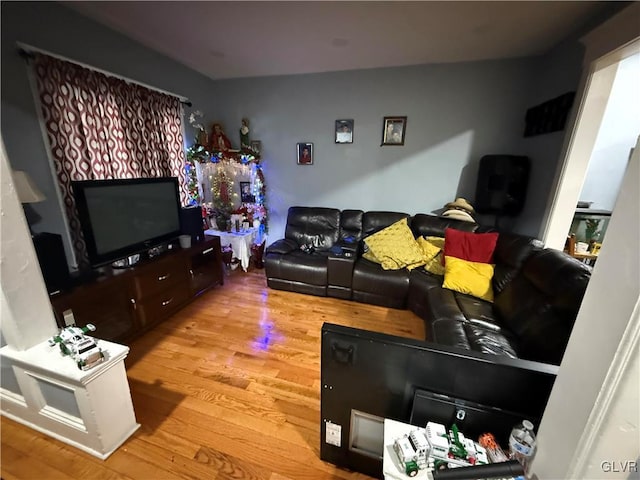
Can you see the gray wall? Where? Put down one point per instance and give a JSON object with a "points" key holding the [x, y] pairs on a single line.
{"points": [[456, 113], [557, 73], [52, 27]]}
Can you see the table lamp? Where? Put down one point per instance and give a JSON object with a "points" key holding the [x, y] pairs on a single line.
{"points": [[28, 191]]}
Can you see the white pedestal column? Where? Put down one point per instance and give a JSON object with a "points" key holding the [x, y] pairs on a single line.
{"points": [[91, 410]]}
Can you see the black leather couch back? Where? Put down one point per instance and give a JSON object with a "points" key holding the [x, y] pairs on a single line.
{"points": [[511, 252], [432, 226], [375, 221], [351, 224], [540, 304], [315, 226]]}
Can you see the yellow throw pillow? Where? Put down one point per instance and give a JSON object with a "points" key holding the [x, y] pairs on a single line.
{"points": [[437, 241], [429, 249], [435, 265], [370, 256], [395, 246], [411, 266], [472, 278], [432, 250]]}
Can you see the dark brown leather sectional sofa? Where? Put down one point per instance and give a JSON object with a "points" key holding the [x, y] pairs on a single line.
{"points": [[537, 291]]}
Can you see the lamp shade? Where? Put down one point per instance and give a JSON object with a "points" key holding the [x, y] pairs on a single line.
{"points": [[28, 191]]}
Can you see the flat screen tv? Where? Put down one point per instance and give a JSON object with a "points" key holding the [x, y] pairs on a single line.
{"points": [[123, 217]]}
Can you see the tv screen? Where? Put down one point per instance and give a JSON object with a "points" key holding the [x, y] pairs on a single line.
{"points": [[126, 216]]}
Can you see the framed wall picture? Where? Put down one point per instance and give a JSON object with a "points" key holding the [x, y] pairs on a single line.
{"points": [[344, 131], [245, 193], [305, 153], [393, 130]]}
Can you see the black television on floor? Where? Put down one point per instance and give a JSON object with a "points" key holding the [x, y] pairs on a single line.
{"points": [[123, 217], [367, 377]]}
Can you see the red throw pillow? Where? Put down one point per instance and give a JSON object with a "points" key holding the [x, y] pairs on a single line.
{"points": [[473, 247]]}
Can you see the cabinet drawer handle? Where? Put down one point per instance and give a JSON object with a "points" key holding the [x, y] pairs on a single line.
{"points": [[167, 302], [163, 277], [208, 250]]}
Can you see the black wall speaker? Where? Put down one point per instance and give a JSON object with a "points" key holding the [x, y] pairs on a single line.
{"points": [[502, 184], [191, 223], [53, 261]]}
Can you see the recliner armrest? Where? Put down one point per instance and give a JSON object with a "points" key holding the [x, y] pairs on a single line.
{"points": [[349, 249], [282, 246]]}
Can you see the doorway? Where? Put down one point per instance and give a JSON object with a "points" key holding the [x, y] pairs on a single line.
{"points": [[618, 133], [597, 86]]}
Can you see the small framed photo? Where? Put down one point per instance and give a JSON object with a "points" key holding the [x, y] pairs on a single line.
{"points": [[245, 193], [393, 130], [256, 146], [305, 153], [344, 131]]}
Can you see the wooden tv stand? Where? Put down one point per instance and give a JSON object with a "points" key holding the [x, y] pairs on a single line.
{"points": [[124, 303]]}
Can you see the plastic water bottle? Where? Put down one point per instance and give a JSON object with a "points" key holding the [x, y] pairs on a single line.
{"points": [[522, 443]]}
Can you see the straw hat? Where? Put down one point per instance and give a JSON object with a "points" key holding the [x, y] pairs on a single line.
{"points": [[460, 204], [458, 215]]}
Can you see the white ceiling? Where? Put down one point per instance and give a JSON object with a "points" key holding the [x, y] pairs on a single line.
{"points": [[248, 39]]}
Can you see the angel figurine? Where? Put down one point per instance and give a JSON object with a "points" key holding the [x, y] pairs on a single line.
{"points": [[244, 134]]}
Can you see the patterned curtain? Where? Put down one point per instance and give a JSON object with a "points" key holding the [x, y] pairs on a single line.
{"points": [[101, 127]]}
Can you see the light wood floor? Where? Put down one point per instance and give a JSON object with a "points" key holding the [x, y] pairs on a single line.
{"points": [[228, 388]]}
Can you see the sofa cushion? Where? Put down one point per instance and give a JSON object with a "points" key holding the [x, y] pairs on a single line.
{"points": [[452, 333], [541, 303], [432, 251], [282, 246], [298, 266], [495, 342], [473, 247], [351, 225], [369, 255], [372, 284], [420, 282], [478, 312], [428, 247], [424, 225], [434, 265], [319, 227], [458, 320], [510, 253], [468, 267], [394, 247], [443, 304], [473, 278], [375, 221]]}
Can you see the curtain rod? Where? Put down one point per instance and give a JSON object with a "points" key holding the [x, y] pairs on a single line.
{"points": [[28, 52]]}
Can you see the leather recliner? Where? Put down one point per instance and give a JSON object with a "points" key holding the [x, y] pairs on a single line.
{"points": [[288, 266]]}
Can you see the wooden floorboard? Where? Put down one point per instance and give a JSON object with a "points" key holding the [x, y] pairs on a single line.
{"points": [[228, 388]]}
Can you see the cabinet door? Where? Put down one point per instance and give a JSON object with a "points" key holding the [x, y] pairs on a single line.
{"points": [[108, 306], [206, 267], [153, 310], [159, 276]]}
